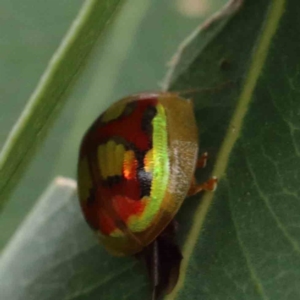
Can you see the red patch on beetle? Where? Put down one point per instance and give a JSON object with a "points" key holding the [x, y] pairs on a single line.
{"points": [[117, 201], [127, 127], [108, 208]]}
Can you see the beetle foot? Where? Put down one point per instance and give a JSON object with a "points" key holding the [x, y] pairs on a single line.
{"points": [[201, 163], [210, 185]]}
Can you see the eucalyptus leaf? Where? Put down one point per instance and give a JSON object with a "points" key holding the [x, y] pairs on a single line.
{"points": [[50, 94]]}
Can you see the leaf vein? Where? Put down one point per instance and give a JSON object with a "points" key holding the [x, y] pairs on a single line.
{"points": [[266, 200], [255, 279], [98, 284]]}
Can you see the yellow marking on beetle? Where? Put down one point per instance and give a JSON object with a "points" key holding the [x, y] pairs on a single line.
{"points": [[137, 222], [117, 233], [85, 184], [110, 159], [119, 159], [148, 161], [129, 165], [110, 151], [113, 112]]}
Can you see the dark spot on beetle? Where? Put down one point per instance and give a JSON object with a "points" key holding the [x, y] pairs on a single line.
{"points": [[145, 180], [129, 108], [91, 197], [113, 180], [139, 155], [147, 118], [121, 225]]}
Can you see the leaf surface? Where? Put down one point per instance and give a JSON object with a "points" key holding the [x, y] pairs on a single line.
{"points": [[243, 240]]}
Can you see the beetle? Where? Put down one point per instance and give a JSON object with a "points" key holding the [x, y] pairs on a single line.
{"points": [[136, 166]]}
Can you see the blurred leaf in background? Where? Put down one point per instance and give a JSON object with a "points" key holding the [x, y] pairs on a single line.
{"points": [[30, 33]]}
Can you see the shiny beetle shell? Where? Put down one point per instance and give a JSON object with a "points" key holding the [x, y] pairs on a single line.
{"points": [[135, 167]]}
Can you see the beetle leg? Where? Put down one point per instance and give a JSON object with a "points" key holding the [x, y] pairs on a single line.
{"points": [[201, 162], [209, 185], [163, 258]]}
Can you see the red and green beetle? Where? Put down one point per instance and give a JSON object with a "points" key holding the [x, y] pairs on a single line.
{"points": [[136, 167]]}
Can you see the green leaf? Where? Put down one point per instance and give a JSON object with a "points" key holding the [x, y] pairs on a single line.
{"points": [[243, 241], [54, 255], [50, 94]]}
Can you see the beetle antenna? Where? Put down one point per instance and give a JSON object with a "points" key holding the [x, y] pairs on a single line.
{"points": [[226, 84]]}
